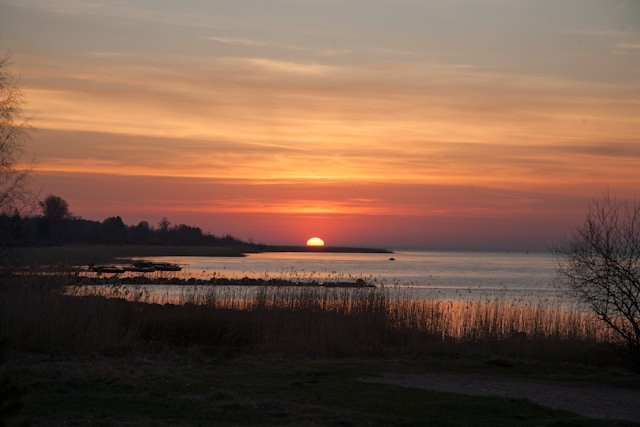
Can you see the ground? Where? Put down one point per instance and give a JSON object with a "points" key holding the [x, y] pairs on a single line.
{"points": [[189, 387], [590, 400]]}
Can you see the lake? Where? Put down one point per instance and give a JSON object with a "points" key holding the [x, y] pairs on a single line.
{"points": [[412, 274]]}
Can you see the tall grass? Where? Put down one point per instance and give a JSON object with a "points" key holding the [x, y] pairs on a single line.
{"points": [[322, 322]]}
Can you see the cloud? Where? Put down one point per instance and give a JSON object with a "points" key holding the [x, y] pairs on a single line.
{"points": [[627, 48], [628, 45], [288, 67], [249, 42], [325, 107]]}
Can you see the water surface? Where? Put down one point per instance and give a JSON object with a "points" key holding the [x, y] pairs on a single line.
{"points": [[412, 274]]}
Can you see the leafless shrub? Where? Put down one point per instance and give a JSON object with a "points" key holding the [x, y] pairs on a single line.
{"points": [[14, 131], [599, 265]]}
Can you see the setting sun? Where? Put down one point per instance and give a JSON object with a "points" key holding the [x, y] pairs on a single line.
{"points": [[264, 140], [315, 241]]}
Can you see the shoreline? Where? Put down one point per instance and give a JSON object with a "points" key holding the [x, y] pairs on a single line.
{"points": [[327, 249], [106, 280], [114, 254]]}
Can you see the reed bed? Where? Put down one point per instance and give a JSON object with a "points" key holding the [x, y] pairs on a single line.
{"points": [[313, 321]]}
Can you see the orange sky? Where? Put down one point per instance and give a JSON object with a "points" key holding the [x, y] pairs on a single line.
{"points": [[458, 124]]}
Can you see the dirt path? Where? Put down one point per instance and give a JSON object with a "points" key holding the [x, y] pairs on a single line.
{"points": [[594, 401]]}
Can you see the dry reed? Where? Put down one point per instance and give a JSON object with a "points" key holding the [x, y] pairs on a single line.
{"points": [[294, 320]]}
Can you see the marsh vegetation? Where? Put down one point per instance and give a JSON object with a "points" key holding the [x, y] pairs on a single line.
{"points": [[42, 313], [280, 354]]}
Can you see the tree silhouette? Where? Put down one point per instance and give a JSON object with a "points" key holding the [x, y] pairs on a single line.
{"points": [[54, 208], [600, 266], [114, 229], [14, 131], [164, 225], [57, 225]]}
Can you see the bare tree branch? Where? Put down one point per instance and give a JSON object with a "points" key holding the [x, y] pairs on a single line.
{"points": [[14, 133], [599, 265]]}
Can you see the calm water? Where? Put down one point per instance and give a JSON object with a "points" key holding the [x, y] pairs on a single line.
{"points": [[413, 274]]}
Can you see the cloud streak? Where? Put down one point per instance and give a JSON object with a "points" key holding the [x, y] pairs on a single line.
{"points": [[438, 110]]}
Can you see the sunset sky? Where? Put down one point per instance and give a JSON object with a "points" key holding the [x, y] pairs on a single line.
{"points": [[394, 123]]}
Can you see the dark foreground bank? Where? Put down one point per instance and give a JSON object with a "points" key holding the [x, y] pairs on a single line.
{"points": [[290, 358], [187, 387]]}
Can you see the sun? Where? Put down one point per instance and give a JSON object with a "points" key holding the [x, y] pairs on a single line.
{"points": [[315, 241]]}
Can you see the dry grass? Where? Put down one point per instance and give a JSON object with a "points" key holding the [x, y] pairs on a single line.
{"points": [[36, 315]]}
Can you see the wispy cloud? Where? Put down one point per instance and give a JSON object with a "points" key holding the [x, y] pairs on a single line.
{"points": [[627, 48], [236, 41], [629, 45], [248, 42], [289, 67]]}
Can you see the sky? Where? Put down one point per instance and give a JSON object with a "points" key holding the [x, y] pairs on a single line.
{"points": [[445, 124]]}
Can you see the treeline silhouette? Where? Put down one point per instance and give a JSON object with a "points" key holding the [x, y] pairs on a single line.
{"points": [[57, 226]]}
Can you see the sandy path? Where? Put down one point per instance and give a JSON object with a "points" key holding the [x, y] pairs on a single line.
{"points": [[594, 401]]}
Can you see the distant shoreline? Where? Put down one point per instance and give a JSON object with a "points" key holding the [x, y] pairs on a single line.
{"points": [[100, 254], [114, 280], [329, 249]]}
